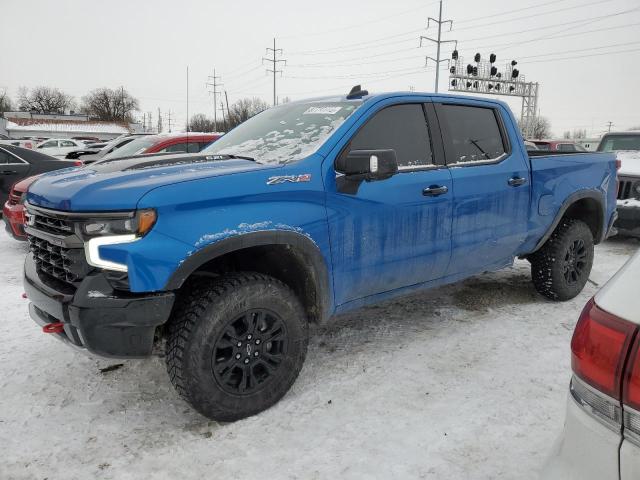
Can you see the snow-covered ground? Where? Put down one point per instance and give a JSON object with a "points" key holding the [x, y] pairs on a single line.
{"points": [[463, 382]]}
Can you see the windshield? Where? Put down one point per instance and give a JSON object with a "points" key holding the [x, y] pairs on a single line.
{"points": [[286, 133], [134, 147], [619, 142]]}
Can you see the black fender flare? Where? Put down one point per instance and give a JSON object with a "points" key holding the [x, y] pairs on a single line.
{"points": [[568, 202], [303, 245]]}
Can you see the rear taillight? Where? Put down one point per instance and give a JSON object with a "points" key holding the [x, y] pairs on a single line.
{"points": [[78, 163], [605, 358], [599, 348]]}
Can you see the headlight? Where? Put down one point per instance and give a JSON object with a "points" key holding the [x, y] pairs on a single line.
{"points": [[137, 224], [110, 231]]}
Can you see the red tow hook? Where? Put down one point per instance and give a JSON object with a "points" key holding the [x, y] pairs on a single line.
{"points": [[57, 327]]}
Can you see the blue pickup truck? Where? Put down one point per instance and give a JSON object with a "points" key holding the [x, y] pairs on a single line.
{"points": [[305, 211]]}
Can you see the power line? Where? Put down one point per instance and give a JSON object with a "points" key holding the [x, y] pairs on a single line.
{"points": [[361, 23]]}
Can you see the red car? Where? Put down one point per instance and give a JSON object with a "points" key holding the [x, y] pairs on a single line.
{"points": [[558, 146], [165, 142], [13, 210]]}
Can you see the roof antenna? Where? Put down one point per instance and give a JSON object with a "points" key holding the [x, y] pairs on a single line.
{"points": [[357, 92]]}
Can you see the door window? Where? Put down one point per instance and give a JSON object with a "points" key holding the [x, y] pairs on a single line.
{"points": [[566, 147], [4, 158], [67, 143], [402, 128], [49, 144], [474, 133]]}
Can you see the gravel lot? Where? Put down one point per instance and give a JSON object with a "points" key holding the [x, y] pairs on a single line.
{"points": [[465, 381]]}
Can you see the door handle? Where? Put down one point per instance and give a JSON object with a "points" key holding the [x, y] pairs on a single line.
{"points": [[516, 181], [7, 172], [435, 190]]}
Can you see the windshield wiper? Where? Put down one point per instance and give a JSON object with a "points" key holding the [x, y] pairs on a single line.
{"points": [[234, 157]]}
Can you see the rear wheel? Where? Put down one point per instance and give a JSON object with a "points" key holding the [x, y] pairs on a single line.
{"points": [[236, 344], [561, 268]]}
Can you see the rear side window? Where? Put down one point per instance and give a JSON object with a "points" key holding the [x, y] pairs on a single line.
{"points": [[402, 128], [474, 133], [4, 158]]}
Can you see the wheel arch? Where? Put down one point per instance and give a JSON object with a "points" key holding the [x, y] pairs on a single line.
{"points": [[291, 257], [585, 205]]}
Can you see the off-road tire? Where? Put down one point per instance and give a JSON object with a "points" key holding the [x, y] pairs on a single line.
{"points": [[197, 333], [549, 264]]}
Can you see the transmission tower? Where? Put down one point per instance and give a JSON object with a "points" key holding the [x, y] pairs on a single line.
{"points": [[438, 41], [274, 66], [214, 81]]}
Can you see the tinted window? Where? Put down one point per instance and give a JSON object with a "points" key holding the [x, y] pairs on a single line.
{"points": [[4, 157], [566, 147], [67, 143], [474, 134], [176, 147], [543, 146], [402, 128], [50, 143]]}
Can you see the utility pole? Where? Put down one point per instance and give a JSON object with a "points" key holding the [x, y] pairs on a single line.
{"points": [[159, 121], [187, 99], [438, 42], [213, 81], [274, 66], [609, 125]]}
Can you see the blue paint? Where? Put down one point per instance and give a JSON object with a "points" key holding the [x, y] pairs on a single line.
{"points": [[384, 240]]}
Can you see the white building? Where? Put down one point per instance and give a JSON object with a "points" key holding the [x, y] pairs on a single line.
{"points": [[27, 124]]}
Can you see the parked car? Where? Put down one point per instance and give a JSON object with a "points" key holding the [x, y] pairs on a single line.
{"points": [[626, 146], [306, 210], [601, 436], [558, 146], [90, 150], [88, 155], [191, 142], [59, 147], [17, 163], [13, 210]]}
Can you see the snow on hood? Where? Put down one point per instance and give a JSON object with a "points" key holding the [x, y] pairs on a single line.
{"points": [[104, 187], [630, 160]]}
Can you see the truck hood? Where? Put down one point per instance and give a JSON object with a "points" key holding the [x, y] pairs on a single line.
{"points": [[630, 160], [120, 183]]}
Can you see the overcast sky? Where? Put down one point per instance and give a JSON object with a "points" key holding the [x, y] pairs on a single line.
{"points": [[584, 53]]}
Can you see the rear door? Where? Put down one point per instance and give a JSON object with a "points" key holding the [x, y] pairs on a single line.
{"points": [[389, 234], [12, 169], [491, 185]]}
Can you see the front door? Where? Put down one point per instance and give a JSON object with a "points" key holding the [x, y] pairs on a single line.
{"points": [[396, 232]]}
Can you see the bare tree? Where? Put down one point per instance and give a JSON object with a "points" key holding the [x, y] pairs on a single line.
{"points": [[566, 134], [579, 133], [110, 104], [44, 100], [5, 102], [540, 128], [244, 109], [201, 123]]}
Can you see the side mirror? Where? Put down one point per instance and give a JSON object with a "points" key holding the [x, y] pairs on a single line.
{"points": [[368, 164]]}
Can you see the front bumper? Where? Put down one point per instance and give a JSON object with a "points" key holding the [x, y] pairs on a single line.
{"points": [[628, 222], [104, 321], [13, 216]]}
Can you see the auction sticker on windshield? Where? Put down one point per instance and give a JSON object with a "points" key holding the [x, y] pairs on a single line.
{"points": [[322, 110]]}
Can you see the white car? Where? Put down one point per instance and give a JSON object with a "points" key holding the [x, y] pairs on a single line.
{"points": [[601, 436], [59, 147]]}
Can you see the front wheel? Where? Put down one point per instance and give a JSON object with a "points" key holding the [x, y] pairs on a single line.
{"points": [[561, 268], [235, 344]]}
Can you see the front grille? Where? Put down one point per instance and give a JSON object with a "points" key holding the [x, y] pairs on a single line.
{"points": [[52, 225], [66, 264]]}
